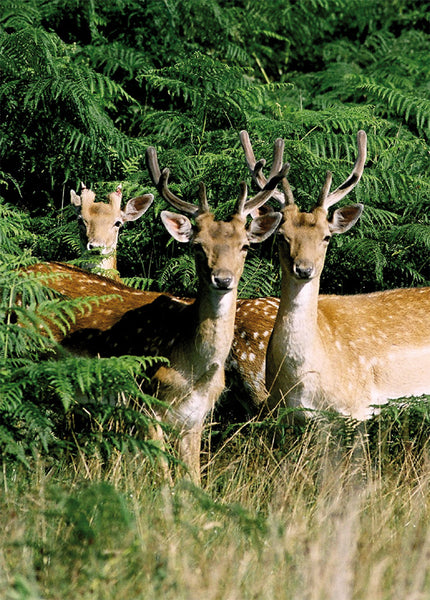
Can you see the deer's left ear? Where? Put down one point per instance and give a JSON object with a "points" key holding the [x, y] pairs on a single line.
{"points": [[344, 218], [262, 227], [177, 225], [136, 207]]}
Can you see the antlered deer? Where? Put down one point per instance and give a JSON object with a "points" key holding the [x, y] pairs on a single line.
{"points": [[344, 353], [196, 337], [102, 221]]}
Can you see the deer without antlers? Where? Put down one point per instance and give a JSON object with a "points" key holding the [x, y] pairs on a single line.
{"points": [[344, 353], [196, 337], [112, 299], [102, 221]]}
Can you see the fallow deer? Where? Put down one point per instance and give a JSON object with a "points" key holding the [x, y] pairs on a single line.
{"points": [[102, 221], [343, 353], [111, 298], [196, 337]]}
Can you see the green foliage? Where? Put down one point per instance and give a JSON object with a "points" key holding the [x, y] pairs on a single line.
{"points": [[49, 93], [50, 400], [86, 87]]}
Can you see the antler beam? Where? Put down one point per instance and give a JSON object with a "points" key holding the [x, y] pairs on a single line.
{"points": [[267, 188], [161, 182], [328, 199], [256, 169]]}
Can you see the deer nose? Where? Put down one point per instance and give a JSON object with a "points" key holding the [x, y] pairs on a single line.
{"points": [[303, 270], [93, 245], [223, 280]]}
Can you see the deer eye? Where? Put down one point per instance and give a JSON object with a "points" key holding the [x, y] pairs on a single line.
{"points": [[117, 223], [245, 247], [327, 239]]}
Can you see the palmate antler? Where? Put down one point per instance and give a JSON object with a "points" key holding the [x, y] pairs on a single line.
{"points": [[244, 206]]}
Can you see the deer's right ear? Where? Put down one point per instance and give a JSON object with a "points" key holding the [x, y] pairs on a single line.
{"points": [[177, 225], [75, 199]]}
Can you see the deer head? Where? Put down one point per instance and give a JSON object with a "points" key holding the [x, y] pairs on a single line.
{"points": [[220, 246], [304, 236], [102, 221]]}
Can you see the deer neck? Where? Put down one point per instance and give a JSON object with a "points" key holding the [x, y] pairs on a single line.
{"points": [[214, 315], [108, 262], [296, 323], [107, 265]]}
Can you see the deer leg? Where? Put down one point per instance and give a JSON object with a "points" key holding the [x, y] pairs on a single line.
{"points": [[156, 434], [189, 452]]}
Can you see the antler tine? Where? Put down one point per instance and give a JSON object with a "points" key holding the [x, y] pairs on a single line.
{"points": [[326, 200], [325, 189], [278, 154], [242, 198], [255, 168], [116, 197], [87, 195], [160, 180], [203, 199], [268, 191], [287, 197]]}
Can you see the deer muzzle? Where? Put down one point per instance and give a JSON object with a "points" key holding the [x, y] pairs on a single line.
{"points": [[303, 269], [223, 279]]}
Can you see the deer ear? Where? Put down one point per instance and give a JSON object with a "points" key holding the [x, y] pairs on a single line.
{"points": [[262, 227], [75, 199], [344, 218], [136, 207], [177, 225]]}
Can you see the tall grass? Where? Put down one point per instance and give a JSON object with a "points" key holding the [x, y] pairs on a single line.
{"points": [[312, 519]]}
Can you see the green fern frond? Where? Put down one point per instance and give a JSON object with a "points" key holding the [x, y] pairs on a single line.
{"points": [[179, 273], [259, 279], [400, 103]]}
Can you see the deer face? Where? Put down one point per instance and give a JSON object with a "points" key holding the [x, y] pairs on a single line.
{"points": [[101, 225], [101, 221], [303, 244], [220, 249], [304, 238], [220, 246]]}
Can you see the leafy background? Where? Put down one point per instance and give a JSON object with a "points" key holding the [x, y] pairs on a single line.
{"points": [[86, 86]]}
